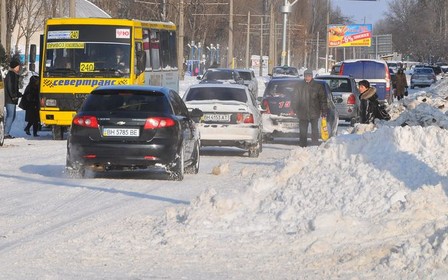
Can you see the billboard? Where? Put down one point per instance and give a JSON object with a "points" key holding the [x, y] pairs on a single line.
{"points": [[352, 35]]}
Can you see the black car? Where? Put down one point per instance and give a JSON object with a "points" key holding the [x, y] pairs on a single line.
{"points": [[131, 128]]}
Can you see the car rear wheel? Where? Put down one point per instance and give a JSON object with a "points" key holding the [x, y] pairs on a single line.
{"points": [[178, 167], [194, 167], [57, 132], [74, 169], [2, 132], [254, 151]]}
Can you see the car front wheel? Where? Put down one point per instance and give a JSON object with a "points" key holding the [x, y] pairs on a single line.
{"points": [[178, 167], [194, 167]]}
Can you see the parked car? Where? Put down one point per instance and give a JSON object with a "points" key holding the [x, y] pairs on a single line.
{"points": [[250, 81], [231, 116], [372, 70], [279, 116], [221, 75], [423, 76], [134, 127], [285, 71], [345, 95]]}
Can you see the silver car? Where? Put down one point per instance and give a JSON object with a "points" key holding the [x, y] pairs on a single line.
{"points": [[423, 76], [346, 96], [250, 81]]}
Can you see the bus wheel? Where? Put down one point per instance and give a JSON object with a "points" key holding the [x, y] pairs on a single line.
{"points": [[57, 132]]}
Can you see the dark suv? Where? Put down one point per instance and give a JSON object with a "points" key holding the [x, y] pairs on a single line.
{"points": [[133, 127], [372, 70]]}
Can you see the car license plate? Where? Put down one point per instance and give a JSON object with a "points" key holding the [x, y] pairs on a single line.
{"points": [[127, 132], [217, 117]]}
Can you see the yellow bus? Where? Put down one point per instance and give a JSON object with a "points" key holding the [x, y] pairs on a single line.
{"points": [[80, 54]]}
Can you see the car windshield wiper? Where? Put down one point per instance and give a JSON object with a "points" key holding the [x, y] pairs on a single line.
{"points": [[109, 71], [62, 71]]}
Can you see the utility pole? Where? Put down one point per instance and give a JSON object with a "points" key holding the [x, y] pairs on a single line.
{"points": [[317, 51], [272, 44], [261, 47], [230, 52], [247, 40], [72, 9], [326, 45], [180, 41]]}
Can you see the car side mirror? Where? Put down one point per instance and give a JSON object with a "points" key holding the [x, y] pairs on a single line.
{"points": [[196, 113]]}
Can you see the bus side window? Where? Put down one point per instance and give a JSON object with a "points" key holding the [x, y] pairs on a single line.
{"points": [[146, 48], [155, 49], [168, 49]]}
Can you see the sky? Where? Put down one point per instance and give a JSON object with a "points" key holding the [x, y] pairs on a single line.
{"points": [[368, 12], [370, 203]]}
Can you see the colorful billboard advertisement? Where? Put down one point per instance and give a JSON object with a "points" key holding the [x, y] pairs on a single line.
{"points": [[352, 35]]}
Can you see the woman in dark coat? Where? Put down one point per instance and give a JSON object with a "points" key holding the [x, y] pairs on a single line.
{"points": [[31, 104], [402, 84]]}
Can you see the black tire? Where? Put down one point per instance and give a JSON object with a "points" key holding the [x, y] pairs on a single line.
{"points": [[267, 138], [194, 167], [178, 167], [254, 151], [57, 132], [74, 169], [2, 132]]}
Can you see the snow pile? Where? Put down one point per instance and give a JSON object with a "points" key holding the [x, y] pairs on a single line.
{"points": [[371, 203]]}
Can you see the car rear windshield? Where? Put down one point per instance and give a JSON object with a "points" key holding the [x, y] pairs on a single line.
{"points": [[365, 69], [127, 101], [285, 71], [423, 71], [218, 75], [210, 93], [245, 75], [338, 84], [281, 89]]}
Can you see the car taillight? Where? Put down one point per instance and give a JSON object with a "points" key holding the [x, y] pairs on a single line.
{"points": [[266, 107], [86, 121], [387, 77], [351, 100], [158, 122], [341, 69], [244, 118]]}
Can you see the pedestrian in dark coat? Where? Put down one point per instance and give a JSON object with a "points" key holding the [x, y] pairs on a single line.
{"points": [[31, 103], [310, 104], [401, 84], [368, 98], [12, 95]]}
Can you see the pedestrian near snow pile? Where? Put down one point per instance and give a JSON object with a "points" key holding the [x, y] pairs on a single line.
{"points": [[370, 107], [401, 84], [310, 105], [12, 95], [30, 103]]}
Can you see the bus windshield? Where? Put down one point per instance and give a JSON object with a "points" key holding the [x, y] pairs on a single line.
{"points": [[95, 59], [87, 51]]}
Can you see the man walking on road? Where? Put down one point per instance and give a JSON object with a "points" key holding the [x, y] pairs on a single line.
{"points": [[311, 103], [12, 95]]}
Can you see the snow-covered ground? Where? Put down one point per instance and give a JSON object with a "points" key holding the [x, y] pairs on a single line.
{"points": [[369, 203]]}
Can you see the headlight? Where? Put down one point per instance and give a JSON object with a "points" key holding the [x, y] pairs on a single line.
{"points": [[51, 103]]}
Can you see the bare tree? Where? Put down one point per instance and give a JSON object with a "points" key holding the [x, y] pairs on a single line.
{"points": [[31, 21], [13, 10]]}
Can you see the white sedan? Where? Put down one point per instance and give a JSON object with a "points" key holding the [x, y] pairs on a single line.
{"points": [[231, 116]]}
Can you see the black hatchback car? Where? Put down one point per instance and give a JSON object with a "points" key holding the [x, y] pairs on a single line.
{"points": [[134, 127]]}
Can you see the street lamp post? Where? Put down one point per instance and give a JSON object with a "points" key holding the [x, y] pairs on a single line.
{"points": [[286, 9]]}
